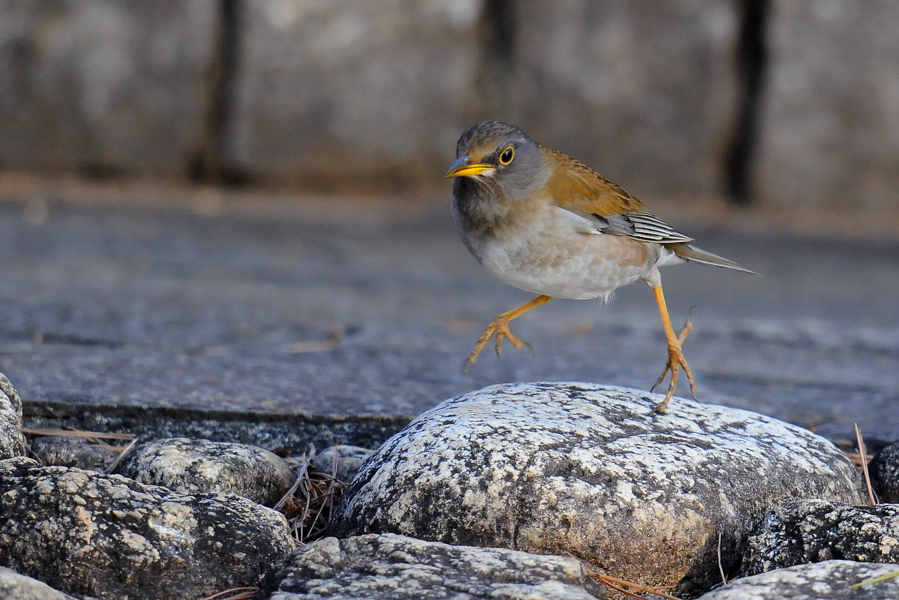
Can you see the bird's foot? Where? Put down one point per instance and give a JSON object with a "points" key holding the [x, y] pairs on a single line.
{"points": [[676, 360], [499, 327]]}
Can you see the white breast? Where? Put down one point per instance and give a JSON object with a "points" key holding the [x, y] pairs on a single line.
{"points": [[562, 255]]}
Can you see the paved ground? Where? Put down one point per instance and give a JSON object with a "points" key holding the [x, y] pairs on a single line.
{"points": [[198, 302]]}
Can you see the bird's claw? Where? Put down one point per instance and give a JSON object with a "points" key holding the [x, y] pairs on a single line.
{"points": [[503, 331], [676, 360], [499, 327]]}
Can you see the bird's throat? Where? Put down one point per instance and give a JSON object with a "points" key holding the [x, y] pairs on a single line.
{"points": [[480, 210]]}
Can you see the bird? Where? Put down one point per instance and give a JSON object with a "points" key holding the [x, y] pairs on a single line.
{"points": [[545, 223]]}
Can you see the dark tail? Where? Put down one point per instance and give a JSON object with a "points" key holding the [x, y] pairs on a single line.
{"points": [[688, 252]]}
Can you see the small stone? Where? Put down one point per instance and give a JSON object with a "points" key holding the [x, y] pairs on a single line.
{"points": [[399, 567], [593, 472], [190, 466], [884, 471], [344, 459], [815, 530], [828, 580], [59, 451]]}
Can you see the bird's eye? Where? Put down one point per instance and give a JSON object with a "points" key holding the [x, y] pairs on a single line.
{"points": [[507, 156]]}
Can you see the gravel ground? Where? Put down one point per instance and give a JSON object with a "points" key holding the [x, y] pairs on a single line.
{"points": [[196, 299]]}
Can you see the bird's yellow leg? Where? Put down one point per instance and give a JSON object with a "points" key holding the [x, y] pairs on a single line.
{"points": [[676, 358], [500, 327]]}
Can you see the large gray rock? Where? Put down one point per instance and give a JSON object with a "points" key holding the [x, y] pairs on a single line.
{"points": [[108, 86], [12, 442], [830, 116], [829, 580], [328, 92], [592, 471], [644, 92], [399, 567], [19, 587], [815, 531], [110, 537], [191, 466]]}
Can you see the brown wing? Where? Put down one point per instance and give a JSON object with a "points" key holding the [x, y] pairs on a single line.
{"points": [[581, 190]]}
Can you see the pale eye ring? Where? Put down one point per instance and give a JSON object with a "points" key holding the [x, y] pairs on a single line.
{"points": [[507, 156]]}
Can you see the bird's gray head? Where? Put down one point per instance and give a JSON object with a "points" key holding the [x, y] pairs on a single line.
{"points": [[495, 159]]}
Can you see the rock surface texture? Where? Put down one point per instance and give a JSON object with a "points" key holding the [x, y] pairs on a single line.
{"points": [[191, 466], [12, 442], [395, 566], [815, 530], [829, 580], [592, 471], [884, 471], [19, 587], [112, 538]]}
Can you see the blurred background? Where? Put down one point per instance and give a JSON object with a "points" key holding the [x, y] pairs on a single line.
{"points": [[188, 183], [781, 102]]}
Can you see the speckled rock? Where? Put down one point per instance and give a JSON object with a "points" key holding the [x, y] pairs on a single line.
{"points": [[815, 531], [592, 471], [829, 580], [19, 587], [399, 567], [12, 442], [884, 471], [58, 451], [191, 466], [113, 538], [348, 459]]}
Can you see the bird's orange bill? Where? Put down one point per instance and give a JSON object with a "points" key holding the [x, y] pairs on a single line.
{"points": [[461, 168]]}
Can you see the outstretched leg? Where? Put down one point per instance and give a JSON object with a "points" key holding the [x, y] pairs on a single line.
{"points": [[500, 326], [676, 358]]}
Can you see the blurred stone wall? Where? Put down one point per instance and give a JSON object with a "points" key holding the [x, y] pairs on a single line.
{"points": [[830, 127], [659, 95], [104, 86]]}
